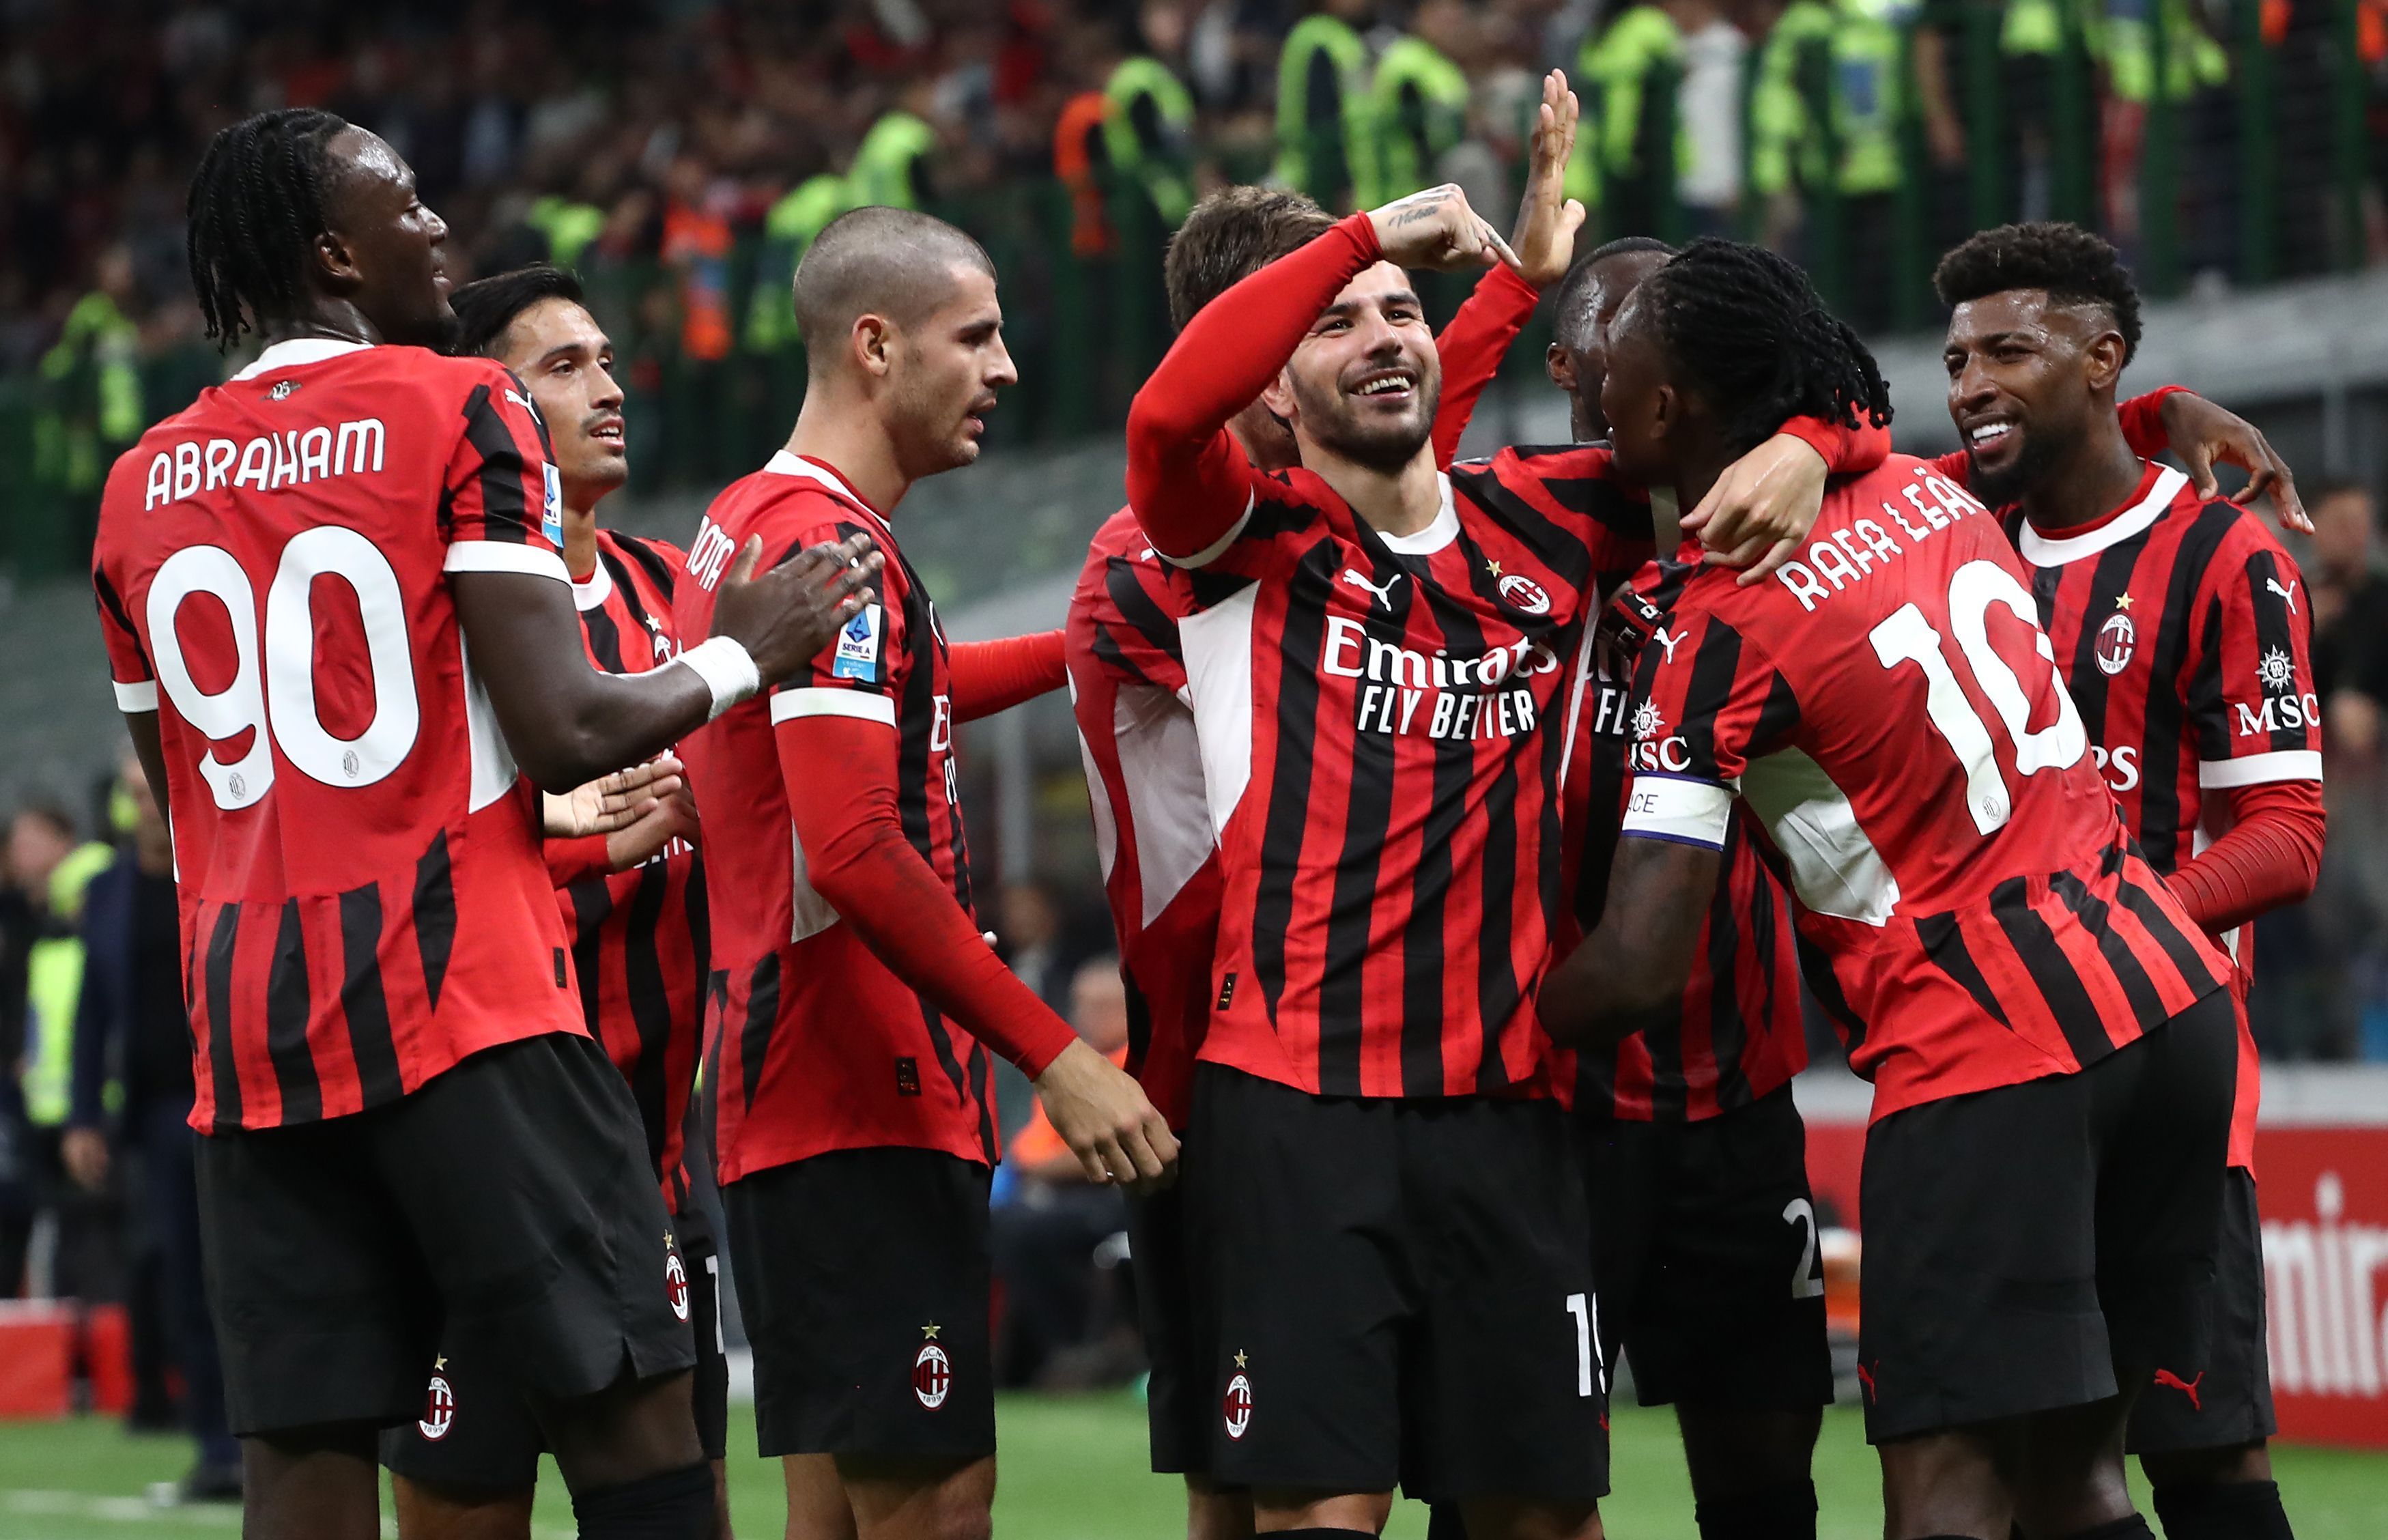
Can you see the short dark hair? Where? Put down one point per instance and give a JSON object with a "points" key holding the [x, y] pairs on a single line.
{"points": [[1746, 327], [2076, 266], [1230, 236], [1569, 311], [486, 307], [892, 262], [255, 208]]}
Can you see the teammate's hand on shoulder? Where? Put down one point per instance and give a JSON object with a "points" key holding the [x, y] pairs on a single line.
{"points": [[1544, 238], [2202, 433], [1437, 229], [671, 817], [784, 617], [1761, 507], [1102, 1114], [613, 802]]}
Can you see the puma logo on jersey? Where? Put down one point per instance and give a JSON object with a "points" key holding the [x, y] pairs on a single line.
{"points": [[1384, 594], [524, 402], [2287, 594], [2169, 1380], [1669, 640]]}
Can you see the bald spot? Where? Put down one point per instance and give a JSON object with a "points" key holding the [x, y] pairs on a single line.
{"points": [[893, 262]]}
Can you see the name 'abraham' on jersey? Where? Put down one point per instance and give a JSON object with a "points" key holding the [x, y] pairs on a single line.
{"points": [[1370, 710], [1892, 711], [640, 938], [1739, 1034], [364, 900]]}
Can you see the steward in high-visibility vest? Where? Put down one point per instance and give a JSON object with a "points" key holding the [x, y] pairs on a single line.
{"points": [[569, 225], [788, 229], [2193, 61], [1852, 53], [1326, 140], [90, 394], [53, 987], [1148, 133], [1418, 102], [1632, 136], [886, 170]]}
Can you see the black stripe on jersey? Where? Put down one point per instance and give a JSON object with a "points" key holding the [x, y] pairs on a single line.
{"points": [[1135, 607], [2051, 972], [700, 925], [941, 1038], [593, 901], [648, 630], [224, 1070], [1556, 547], [362, 999], [2109, 581], [1824, 986], [1765, 909], [642, 980], [2178, 949], [2166, 713], [2202, 695], [434, 915], [1351, 915], [1288, 804], [762, 1010], [604, 636], [2272, 634], [658, 567], [1424, 944], [1778, 718], [109, 600], [1115, 658], [2147, 1005], [1944, 943], [1714, 667], [504, 513], [1498, 989], [1728, 1033], [978, 1090], [916, 718], [286, 1006]]}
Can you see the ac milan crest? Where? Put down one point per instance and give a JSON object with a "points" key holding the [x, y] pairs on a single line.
{"points": [[676, 1284], [1526, 593], [438, 1408], [2116, 640], [1236, 1407], [933, 1376]]}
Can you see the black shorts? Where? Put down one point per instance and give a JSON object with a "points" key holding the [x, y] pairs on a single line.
{"points": [[864, 1278], [508, 1198], [1402, 1294], [2025, 1246], [2225, 1398], [1177, 1344], [477, 1433], [1705, 1246]]}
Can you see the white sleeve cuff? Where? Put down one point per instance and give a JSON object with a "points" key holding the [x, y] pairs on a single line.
{"points": [[1217, 548], [536, 561], [814, 701], [139, 696], [2257, 770], [727, 668], [1672, 808]]}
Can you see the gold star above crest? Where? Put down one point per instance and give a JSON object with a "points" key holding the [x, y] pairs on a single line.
{"points": [[1241, 1359], [2122, 601], [1492, 566], [929, 1333], [667, 1241], [440, 1364]]}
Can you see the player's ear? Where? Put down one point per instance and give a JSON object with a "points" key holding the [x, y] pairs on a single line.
{"points": [[335, 262], [873, 342], [1278, 397], [1560, 366], [2102, 361]]}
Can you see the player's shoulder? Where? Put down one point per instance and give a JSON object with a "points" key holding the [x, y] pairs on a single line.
{"points": [[660, 560], [795, 507], [2231, 532]]}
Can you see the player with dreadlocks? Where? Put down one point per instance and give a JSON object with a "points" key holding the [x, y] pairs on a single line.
{"points": [[353, 542], [2050, 1039]]}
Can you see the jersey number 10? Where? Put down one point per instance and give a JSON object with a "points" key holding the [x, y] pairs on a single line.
{"points": [[1907, 637], [275, 703]]}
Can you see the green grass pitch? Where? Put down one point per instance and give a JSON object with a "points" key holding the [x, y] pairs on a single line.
{"points": [[1073, 1469]]}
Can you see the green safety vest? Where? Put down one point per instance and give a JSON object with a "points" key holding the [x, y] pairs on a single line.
{"points": [[568, 225], [881, 173], [788, 230], [1298, 165], [2193, 61], [1407, 145], [2042, 27], [91, 389], [54, 988], [1617, 66], [1866, 54], [1159, 169]]}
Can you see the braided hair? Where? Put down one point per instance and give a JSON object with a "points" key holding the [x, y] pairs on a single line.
{"points": [[1744, 327], [256, 205]]}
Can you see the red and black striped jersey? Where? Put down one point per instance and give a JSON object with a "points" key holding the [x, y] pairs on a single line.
{"points": [[818, 1045], [1152, 827], [1739, 1034], [363, 901], [641, 939], [1372, 711], [1891, 712]]}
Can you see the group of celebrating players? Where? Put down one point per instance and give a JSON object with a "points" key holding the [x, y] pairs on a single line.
{"points": [[1471, 829]]}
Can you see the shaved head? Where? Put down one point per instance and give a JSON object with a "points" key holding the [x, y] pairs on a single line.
{"points": [[893, 262]]}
